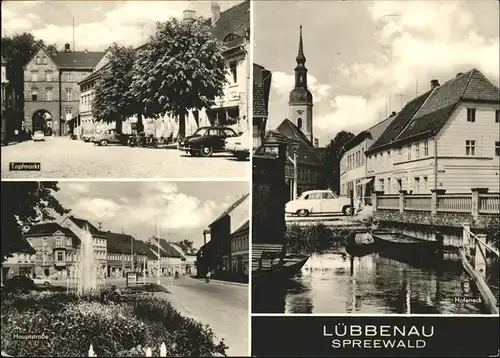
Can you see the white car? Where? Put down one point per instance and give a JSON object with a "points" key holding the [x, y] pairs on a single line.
{"points": [[45, 281], [321, 202], [239, 146], [38, 136]]}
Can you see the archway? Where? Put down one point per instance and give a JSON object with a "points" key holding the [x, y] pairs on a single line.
{"points": [[42, 121]]}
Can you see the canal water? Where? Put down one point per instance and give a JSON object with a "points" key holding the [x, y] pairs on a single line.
{"points": [[373, 284]]}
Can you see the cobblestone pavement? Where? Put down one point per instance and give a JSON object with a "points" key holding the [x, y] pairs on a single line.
{"points": [[223, 306], [65, 158]]}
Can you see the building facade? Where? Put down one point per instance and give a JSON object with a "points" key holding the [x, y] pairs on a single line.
{"points": [[446, 138], [51, 91], [240, 245], [5, 83], [22, 261], [353, 165], [261, 89]]}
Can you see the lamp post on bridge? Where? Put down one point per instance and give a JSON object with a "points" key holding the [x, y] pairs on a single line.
{"points": [[293, 160]]}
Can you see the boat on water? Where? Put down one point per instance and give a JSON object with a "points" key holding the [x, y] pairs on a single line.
{"points": [[360, 243], [286, 267], [400, 244]]}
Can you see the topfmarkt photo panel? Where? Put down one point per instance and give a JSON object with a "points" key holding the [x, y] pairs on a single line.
{"points": [[376, 183], [125, 89]]}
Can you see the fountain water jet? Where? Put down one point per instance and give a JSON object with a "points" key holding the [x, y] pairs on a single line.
{"points": [[85, 272]]}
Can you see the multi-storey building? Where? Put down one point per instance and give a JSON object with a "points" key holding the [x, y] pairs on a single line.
{"points": [[22, 261], [171, 260], [446, 138], [56, 248], [240, 248], [125, 254], [353, 168], [51, 91]]}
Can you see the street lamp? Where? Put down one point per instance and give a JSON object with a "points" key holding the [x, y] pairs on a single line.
{"points": [[294, 147]]}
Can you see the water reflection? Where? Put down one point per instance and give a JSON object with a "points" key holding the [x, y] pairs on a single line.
{"points": [[339, 283]]}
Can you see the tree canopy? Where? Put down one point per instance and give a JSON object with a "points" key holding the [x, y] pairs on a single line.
{"points": [[113, 101], [186, 246], [181, 68], [331, 157], [24, 204]]}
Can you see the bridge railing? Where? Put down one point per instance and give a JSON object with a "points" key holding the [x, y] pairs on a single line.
{"points": [[480, 260], [478, 202]]}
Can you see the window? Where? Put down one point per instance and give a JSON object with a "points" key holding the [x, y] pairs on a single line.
{"points": [[38, 60], [213, 132], [400, 184], [497, 116], [327, 195], [233, 67], [69, 94], [59, 242], [44, 60], [426, 148], [68, 77], [34, 94], [48, 76], [44, 241], [389, 188], [470, 147], [34, 76], [417, 185], [426, 183], [381, 184], [408, 148], [299, 122], [471, 114], [497, 149], [49, 94], [68, 112], [229, 133], [59, 256], [417, 150]]}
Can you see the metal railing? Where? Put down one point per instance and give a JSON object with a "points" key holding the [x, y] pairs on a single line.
{"points": [[489, 204], [454, 203], [388, 202], [418, 202]]}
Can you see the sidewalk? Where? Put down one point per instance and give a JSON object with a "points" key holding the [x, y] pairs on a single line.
{"points": [[221, 281]]}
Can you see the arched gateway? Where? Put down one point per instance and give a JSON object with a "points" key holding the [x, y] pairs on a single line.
{"points": [[42, 121]]}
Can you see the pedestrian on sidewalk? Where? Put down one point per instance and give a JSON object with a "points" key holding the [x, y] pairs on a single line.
{"points": [[208, 275]]}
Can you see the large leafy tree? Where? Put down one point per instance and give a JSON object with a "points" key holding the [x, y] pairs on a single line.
{"points": [[186, 246], [331, 157], [181, 68], [113, 101], [24, 204]]}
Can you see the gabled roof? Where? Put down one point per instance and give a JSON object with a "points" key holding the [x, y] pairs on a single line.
{"points": [[373, 133], [306, 152], [231, 208], [434, 113], [82, 223], [78, 59], [399, 122], [50, 228], [169, 250], [242, 228], [259, 103], [235, 20]]}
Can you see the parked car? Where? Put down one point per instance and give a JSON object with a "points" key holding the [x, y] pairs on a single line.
{"points": [[321, 202], [45, 281], [86, 137], [38, 136], [239, 146], [110, 136], [19, 283], [206, 141]]}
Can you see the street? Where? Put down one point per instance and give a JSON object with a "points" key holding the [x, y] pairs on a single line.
{"points": [[223, 306], [61, 157]]}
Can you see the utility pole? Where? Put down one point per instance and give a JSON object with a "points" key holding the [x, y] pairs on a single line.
{"points": [[401, 96]]}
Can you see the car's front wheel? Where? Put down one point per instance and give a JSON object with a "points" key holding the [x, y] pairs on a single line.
{"points": [[103, 142], [206, 151], [347, 210], [45, 283], [302, 212]]}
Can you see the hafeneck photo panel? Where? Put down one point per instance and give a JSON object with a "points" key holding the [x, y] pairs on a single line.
{"points": [[125, 269], [376, 184], [125, 89]]}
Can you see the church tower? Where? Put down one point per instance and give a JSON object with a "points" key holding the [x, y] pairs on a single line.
{"points": [[301, 100]]}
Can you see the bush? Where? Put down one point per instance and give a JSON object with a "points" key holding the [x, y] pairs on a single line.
{"points": [[315, 238], [122, 326]]}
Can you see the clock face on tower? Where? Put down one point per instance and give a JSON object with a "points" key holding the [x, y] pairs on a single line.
{"points": [[299, 111]]}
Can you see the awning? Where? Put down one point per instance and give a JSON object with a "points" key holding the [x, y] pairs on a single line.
{"points": [[364, 181]]}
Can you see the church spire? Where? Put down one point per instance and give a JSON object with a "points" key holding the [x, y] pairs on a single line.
{"points": [[301, 59]]}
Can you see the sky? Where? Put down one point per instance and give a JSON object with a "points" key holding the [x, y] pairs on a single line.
{"points": [[362, 55], [97, 23], [184, 209]]}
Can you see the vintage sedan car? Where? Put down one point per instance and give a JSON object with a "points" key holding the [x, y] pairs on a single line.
{"points": [[110, 136], [321, 202], [45, 281], [239, 146], [38, 136], [207, 141]]}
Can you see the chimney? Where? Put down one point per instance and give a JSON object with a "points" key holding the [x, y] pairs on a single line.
{"points": [[460, 74], [392, 114], [189, 15], [434, 84], [67, 48], [215, 10]]}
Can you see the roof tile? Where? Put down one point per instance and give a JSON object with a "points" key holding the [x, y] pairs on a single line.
{"points": [[78, 59]]}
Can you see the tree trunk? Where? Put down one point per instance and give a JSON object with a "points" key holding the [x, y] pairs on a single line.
{"points": [[182, 123], [140, 124], [119, 125]]}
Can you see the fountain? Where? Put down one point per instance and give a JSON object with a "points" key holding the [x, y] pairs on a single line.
{"points": [[85, 272]]}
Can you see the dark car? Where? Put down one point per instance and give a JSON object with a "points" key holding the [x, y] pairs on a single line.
{"points": [[19, 284], [207, 141], [110, 136]]}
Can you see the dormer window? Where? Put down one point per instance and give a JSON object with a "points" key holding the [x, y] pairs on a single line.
{"points": [[38, 60]]}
